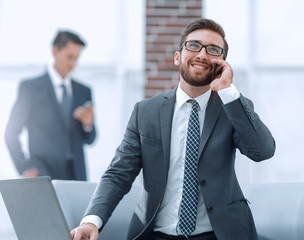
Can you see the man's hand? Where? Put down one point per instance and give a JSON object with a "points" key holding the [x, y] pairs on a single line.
{"points": [[85, 231], [30, 173], [225, 78], [84, 114]]}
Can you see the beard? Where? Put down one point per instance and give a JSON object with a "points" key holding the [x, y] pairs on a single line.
{"points": [[195, 79]]}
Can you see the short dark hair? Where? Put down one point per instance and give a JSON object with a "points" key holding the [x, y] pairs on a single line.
{"points": [[204, 23], [63, 37]]}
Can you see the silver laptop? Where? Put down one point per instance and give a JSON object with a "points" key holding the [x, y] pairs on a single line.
{"points": [[34, 209]]}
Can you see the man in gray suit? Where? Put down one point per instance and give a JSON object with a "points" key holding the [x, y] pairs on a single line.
{"points": [[156, 142], [57, 113]]}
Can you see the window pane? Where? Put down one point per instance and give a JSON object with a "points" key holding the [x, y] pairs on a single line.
{"points": [[232, 16], [279, 25]]}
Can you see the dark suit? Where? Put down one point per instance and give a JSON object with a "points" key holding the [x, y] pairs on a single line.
{"points": [[55, 149], [146, 145]]}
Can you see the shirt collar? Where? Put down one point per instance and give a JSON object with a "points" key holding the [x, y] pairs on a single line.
{"points": [[56, 79], [182, 97]]}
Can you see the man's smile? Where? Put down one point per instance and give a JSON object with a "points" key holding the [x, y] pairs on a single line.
{"points": [[200, 66]]}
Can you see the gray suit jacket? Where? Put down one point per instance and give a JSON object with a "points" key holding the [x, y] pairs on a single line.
{"points": [[37, 110], [146, 146]]}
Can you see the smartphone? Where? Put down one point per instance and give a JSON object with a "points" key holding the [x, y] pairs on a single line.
{"points": [[217, 71], [87, 104]]}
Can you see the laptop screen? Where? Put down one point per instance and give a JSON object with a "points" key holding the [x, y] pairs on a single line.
{"points": [[34, 209]]}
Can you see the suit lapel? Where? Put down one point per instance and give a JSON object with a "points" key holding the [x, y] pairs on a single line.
{"points": [[166, 115], [212, 112]]}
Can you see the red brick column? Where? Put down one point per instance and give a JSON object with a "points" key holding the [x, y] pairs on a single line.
{"points": [[164, 21]]}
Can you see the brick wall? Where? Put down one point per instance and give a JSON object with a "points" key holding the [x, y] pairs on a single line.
{"points": [[164, 21]]}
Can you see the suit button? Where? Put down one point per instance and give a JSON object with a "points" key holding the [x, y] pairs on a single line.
{"points": [[210, 209], [203, 182]]}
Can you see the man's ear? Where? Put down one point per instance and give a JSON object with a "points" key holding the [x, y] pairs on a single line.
{"points": [[54, 50], [177, 58]]}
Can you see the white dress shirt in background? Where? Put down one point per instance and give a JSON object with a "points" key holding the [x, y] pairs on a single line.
{"points": [[57, 81]]}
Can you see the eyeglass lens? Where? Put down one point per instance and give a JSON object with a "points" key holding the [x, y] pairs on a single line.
{"points": [[210, 49]]}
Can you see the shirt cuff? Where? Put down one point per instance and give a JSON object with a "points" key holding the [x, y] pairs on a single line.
{"points": [[229, 94], [94, 219]]}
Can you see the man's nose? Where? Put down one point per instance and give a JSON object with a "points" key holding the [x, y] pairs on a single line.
{"points": [[202, 54]]}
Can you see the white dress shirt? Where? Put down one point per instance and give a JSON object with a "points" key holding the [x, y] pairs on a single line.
{"points": [[57, 81], [168, 215]]}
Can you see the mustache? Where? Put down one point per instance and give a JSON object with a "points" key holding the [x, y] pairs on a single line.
{"points": [[209, 64], [197, 79]]}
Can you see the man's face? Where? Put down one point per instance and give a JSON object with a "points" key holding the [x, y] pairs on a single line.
{"points": [[66, 58], [196, 68]]}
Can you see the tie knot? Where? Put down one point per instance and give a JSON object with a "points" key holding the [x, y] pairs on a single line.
{"points": [[194, 103], [63, 87]]}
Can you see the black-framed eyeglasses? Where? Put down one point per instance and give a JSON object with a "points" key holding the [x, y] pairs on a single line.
{"points": [[194, 46]]}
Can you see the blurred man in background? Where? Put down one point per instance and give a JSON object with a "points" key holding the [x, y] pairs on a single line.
{"points": [[57, 113]]}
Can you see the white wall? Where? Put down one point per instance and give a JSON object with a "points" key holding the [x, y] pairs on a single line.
{"points": [[112, 64], [266, 38]]}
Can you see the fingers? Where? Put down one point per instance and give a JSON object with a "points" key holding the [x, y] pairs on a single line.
{"points": [[73, 233], [85, 231], [83, 111], [94, 236], [78, 235], [84, 114], [226, 77], [222, 63], [30, 173]]}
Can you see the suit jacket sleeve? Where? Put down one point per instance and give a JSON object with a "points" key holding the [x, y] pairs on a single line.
{"points": [[118, 179], [89, 136], [17, 121], [251, 136]]}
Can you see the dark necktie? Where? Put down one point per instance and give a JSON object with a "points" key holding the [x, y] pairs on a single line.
{"points": [[66, 105], [188, 208]]}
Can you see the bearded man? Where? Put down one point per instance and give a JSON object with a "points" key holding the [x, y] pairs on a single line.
{"points": [[185, 142]]}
